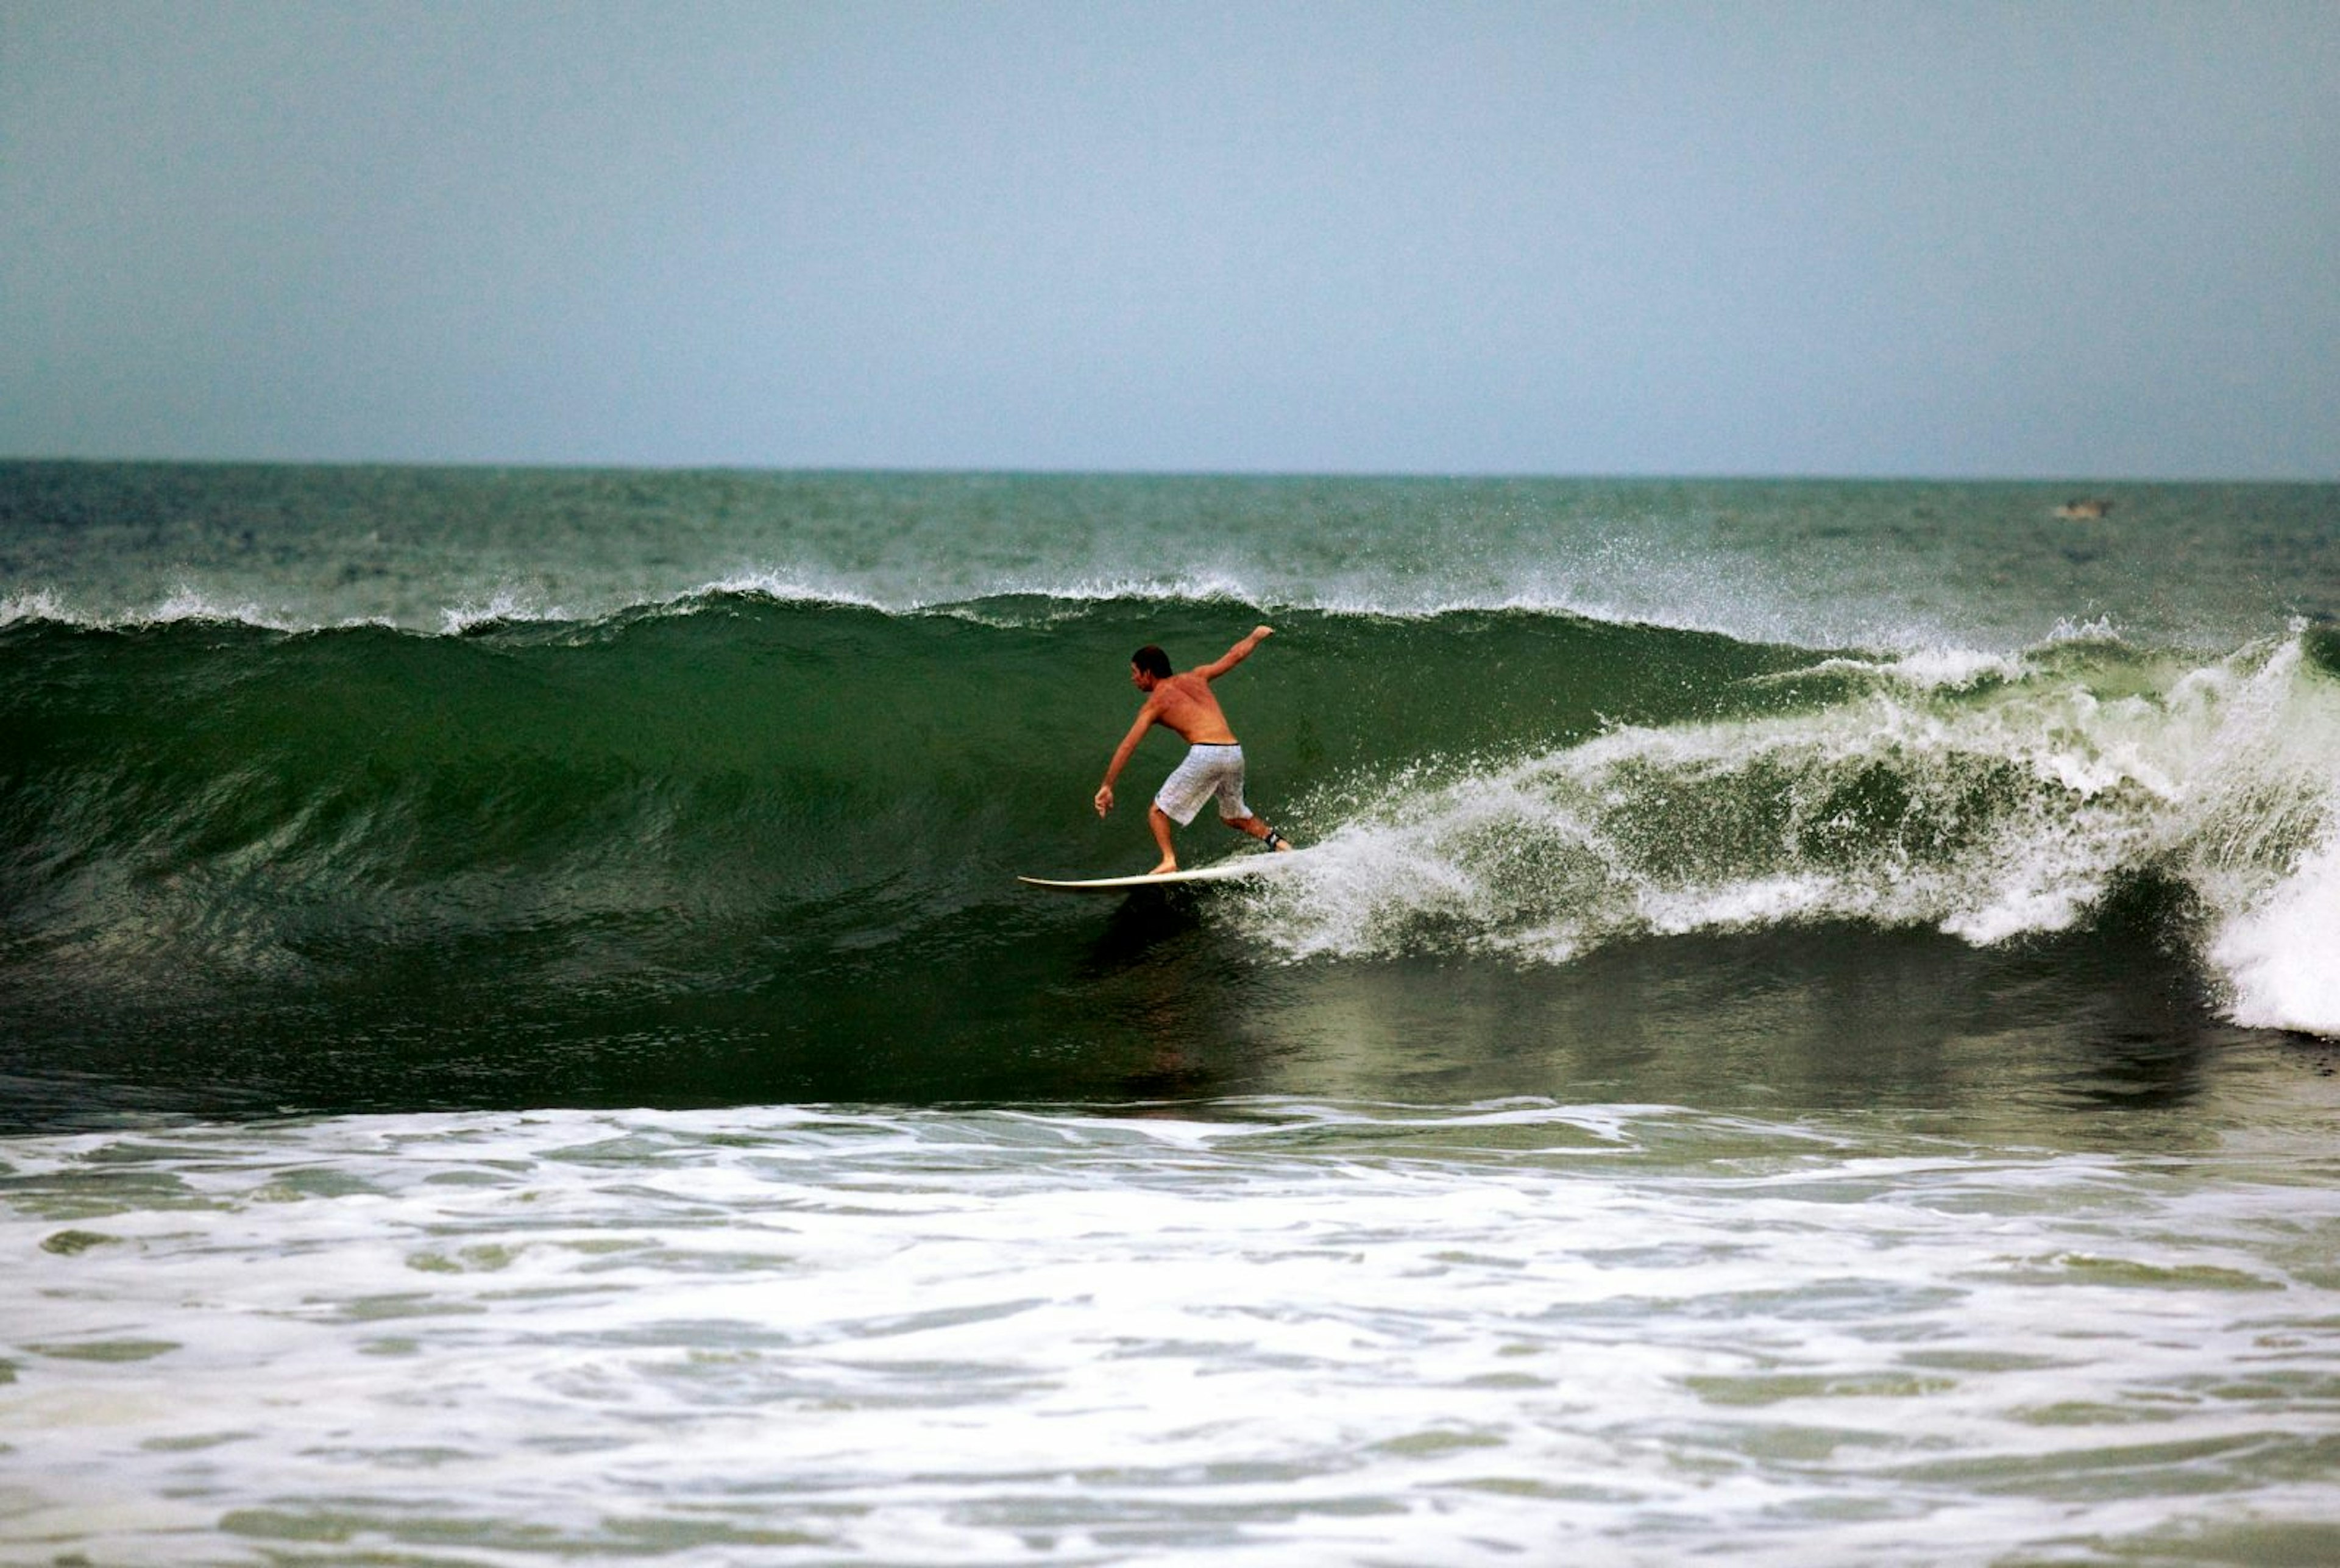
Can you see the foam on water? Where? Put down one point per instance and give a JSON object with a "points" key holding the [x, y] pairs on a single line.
{"points": [[2278, 951], [1986, 799], [502, 605], [38, 605], [1014, 600], [1928, 668], [1290, 1333], [185, 604]]}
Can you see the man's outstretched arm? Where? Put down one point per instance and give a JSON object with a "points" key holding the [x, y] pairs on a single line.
{"points": [[1235, 655], [1145, 717]]}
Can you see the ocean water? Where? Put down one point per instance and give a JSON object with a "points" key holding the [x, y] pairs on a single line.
{"points": [[1805, 1030]]}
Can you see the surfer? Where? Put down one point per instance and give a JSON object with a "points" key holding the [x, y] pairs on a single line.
{"points": [[1183, 704]]}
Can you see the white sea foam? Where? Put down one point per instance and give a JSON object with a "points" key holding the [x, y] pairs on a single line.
{"points": [[979, 596], [782, 587], [1201, 588], [2281, 954], [2267, 838], [1041, 598], [1935, 668], [183, 603], [1517, 1331], [502, 605], [189, 603], [182, 606], [1984, 799], [40, 604]]}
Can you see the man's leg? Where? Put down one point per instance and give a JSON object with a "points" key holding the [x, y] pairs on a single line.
{"points": [[1159, 821], [1258, 828]]}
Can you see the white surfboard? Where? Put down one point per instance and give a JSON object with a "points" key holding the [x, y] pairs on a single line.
{"points": [[1226, 870]]}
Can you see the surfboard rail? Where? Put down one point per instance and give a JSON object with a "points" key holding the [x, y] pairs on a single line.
{"points": [[1219, 871]]}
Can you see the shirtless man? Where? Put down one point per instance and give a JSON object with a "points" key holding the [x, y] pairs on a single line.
{"points": [[1183, 704]]}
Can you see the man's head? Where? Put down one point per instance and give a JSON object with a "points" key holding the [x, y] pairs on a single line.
{"points": [[1148, 665]]}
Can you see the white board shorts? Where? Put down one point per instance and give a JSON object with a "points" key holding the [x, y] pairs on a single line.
{"points": [[1208, 771]]}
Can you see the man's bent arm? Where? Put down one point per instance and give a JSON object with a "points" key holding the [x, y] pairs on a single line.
{"points": [[1235, 655]]}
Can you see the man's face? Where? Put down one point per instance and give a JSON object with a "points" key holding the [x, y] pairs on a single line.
{"points": [[1141, 679]]}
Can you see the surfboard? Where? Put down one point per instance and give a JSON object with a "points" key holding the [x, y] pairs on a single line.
{"points": [[1225, 871]]}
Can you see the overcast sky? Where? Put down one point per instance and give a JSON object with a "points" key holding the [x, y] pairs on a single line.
{"points": [[2040, 239]]}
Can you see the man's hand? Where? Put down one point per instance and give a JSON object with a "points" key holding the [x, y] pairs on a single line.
{"points": [[1104, 798], [1259, 631]]}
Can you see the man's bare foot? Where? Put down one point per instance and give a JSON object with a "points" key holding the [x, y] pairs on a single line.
{"points": [[1165, 866], [1284, 846]]}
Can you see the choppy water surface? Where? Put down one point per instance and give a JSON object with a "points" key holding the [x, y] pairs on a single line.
{"points": [[1272, 1331]]}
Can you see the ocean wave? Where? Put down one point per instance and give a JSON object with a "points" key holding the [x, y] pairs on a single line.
{"points": [[1006, 600], [585, 807]]}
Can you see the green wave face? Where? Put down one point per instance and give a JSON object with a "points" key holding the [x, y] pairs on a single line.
{"points": [[743, 756], [733, 847]]}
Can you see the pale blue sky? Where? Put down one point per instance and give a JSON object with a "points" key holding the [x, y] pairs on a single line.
{"points": [[2045, 239]]}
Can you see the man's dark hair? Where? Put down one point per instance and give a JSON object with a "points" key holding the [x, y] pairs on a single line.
{"points": [[1152, 661]]}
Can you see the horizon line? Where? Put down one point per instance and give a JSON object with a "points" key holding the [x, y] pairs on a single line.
{"points": [[946, 471]]}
